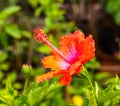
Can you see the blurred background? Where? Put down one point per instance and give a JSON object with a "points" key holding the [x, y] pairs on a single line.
{"points": [[57, 18]]}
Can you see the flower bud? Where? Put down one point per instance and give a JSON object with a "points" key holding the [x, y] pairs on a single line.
{"points": [[26, 70]]}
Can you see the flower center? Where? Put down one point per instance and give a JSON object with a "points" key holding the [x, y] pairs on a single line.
{"points": [[39, 35]]}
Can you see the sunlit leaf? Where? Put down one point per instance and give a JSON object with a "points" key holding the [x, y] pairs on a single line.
{"points": [[33, 3], [26, 33], [44, 49], [13, 31], [9, 11]]}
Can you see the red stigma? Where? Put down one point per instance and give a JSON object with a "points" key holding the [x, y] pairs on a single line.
{"points": [[39, 35]]}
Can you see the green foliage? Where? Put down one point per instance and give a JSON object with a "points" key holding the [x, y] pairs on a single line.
{"points": [[8, 11], [92, 64], [17, 19], [113, 8], [8, 95], [98, 96], [37, 95], [13, 31], [54, 16]]}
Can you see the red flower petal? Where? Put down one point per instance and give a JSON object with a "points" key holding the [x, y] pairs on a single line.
{"points": [[87, 49], [65, 79]]}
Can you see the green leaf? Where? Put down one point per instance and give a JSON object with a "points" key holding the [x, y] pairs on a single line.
{"points": [[103, 75], [45, 2], [44, 49], [21, 101], [2, 100], [4, 66], [96, 89], [33, 3], [1, 75], [4, 14], [110, 95], [39, 93], [10, 89], [13, 31], [12, 76], [18, 85], [38, 11], [4, 39], [115, 82], [117, 17], [91, 97], [25, 33], [3, 56], [6, 98]]}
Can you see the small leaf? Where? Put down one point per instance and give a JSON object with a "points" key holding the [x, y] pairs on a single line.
{"points": [[96, 89], [33, 3], [4, 66], [12, 76], [9, 11], [25, 33], [91, 97], [38, 11], [13, 31], [21, 101], [3, 56], [10, 89], [110, 95], [103, 75], [44, 49]]}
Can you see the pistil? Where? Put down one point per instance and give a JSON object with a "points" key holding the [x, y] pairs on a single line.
{"points": [[39, 35]]}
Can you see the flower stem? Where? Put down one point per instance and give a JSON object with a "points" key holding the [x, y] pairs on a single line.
{"points": [[26, 84], [85, 73]]}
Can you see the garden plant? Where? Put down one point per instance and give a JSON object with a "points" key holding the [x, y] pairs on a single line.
{"points": [[47, 60]]}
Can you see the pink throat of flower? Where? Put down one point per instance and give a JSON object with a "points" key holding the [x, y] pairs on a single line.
{"points": [[39, 36]]}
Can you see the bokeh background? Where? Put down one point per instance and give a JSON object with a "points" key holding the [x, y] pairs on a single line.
{"points": [[57, 18]]}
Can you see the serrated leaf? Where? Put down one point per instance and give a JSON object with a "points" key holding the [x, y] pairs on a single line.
{"points": [[21, 101], [36, 95], [13, 31]]}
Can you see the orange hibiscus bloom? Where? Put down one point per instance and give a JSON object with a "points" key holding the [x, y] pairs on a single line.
{"points": [[74, 51]]}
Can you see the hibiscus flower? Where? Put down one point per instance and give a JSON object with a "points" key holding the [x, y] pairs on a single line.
{"points": [[74, 50]]}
